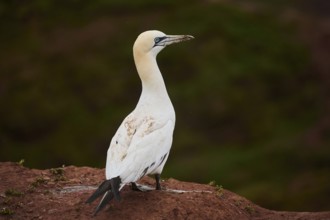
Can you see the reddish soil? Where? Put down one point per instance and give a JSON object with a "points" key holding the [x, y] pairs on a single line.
{"points": [[61, 194]]}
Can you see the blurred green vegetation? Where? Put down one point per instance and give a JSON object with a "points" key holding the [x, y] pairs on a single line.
{"points": [[245, 91]]}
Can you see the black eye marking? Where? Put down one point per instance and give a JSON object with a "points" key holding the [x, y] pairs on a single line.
{"points": [[157, 40]]}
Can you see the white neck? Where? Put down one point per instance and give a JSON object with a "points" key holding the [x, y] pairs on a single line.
{"points": [[153, 86]]}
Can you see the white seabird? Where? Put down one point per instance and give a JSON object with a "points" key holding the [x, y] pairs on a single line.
{"points": [[142, 143]]}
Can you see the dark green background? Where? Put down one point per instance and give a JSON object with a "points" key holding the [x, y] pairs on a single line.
{"points": [[251, 91]]}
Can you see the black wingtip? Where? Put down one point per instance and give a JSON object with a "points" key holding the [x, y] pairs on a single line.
{"points": [[105, 186], [110, 189], [108, 196], [115, 184]]}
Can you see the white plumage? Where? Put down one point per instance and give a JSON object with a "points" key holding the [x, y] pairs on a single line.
{"points": [[142, 143]]}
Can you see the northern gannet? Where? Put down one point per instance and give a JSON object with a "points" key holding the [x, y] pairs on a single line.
{"points": [[142, 142]]}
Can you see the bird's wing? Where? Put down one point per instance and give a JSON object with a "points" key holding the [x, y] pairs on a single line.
{"points": [[148, 145], [121, 141]]}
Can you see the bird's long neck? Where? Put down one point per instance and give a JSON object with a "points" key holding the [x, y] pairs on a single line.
{"points": [[153, 86]]}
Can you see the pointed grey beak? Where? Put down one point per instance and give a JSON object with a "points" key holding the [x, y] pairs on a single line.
{"points": [[171, 39]]}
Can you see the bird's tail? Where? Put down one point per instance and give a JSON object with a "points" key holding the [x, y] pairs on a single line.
{"points": [[109, 189]]}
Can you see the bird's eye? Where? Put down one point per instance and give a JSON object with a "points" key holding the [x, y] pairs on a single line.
{"points": [[157, 40]]}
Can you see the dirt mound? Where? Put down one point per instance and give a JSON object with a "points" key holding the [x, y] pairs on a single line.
{"points": [[61, 193]]}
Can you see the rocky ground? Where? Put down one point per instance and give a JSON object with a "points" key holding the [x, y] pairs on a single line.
{"points": [[60, 193]]}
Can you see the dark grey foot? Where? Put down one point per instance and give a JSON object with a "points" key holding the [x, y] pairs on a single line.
{"points": [[157, 177], [140, 188]]}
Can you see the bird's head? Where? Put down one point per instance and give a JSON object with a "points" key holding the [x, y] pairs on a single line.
{"points": [[154, 41]]}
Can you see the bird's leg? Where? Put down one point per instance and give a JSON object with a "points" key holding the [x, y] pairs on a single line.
{"points": [[140, 188], [134, 187], [157, 177]]}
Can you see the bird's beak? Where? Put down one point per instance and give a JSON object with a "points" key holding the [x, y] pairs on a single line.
{"points": [[171, 39]]}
